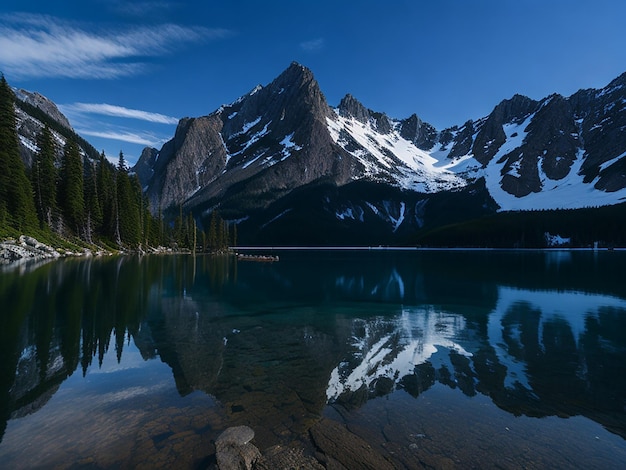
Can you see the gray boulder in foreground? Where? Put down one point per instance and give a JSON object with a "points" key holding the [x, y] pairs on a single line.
{"points": [[234, 450]]}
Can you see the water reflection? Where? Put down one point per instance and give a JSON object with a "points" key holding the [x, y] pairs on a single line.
{"points": [[387, 350], [541, 354], [59, 318], [540, 334]]}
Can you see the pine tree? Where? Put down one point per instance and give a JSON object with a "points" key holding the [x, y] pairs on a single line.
{"points": [[226, 236], [128, 223], [136, 206], [212, 235], [146, 223], [93, 211], [71, 193], [179, 228], [44, 177], [105, 187], [161, 228], [221, 235], [191, 231], [17, 206]]}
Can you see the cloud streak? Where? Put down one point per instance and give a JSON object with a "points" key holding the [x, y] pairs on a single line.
{"points": [[122, 136], [117, 111], [44, 46]]}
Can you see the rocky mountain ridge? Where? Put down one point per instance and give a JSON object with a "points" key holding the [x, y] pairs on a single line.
{"points": [[545, 154], [34, 111]]}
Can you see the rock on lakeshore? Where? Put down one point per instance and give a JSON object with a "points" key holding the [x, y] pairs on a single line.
{"points": [[26, 248]]}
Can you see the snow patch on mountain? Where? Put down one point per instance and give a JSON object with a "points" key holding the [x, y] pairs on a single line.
{"points": [[288, 145], [567, 193], [253, 140], [354, 213], [276, 218], [386, 156], [396, 221], [249, 125], [608, 163]]}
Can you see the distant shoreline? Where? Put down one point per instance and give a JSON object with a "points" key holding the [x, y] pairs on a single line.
{"points": [[411, 248]]}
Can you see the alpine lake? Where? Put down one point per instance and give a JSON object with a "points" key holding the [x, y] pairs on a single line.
{"points": [[427, 359]]}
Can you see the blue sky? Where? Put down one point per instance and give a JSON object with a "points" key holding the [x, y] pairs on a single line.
{"points": [[125, 71]]}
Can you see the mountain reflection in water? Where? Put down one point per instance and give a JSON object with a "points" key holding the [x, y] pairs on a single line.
{"points": [[538, 333]]}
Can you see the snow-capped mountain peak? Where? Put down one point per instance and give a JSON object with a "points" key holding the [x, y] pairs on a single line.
{"points": [[283, 138]]}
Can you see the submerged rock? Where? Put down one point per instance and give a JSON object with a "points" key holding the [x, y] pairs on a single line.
{"points": [[338, 443], [234, 450], [237, 436], [278, 457]]}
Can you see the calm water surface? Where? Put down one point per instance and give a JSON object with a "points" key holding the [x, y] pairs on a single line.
{"points": [[441, 359]]}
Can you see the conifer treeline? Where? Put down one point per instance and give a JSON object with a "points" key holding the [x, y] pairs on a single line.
{"points": [[85, 197]]}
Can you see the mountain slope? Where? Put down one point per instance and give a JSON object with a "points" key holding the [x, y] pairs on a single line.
{"points": [[263, 145], [384, 147], [248, 154], [33, 112], [555, 153]]}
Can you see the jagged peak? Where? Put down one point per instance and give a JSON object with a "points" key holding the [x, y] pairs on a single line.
{"points": [[295, 73], [513, 109], [421, 133], [616, 84], [349, 106], [256, 89]]}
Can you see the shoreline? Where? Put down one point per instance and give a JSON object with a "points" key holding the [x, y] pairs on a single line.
{"points": [[414, 248], [27, 249]]}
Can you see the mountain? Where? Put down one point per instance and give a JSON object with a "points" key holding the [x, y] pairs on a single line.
{"points": [[44, 104], [33, 111], [249, 153], [555, 153], [280, 153]]}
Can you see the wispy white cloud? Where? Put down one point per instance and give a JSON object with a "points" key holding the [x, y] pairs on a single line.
{"points": [[116, 111], [313, 45], [45, 46], [124, 136]]}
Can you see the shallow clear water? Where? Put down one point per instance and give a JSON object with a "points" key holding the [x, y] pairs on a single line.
{"points": [[436, 358]]}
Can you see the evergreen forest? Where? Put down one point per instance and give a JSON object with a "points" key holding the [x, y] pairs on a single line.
{"points": [[83, 199]]}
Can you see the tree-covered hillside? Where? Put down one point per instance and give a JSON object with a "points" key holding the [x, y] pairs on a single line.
{"points": [[82, 197]]}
